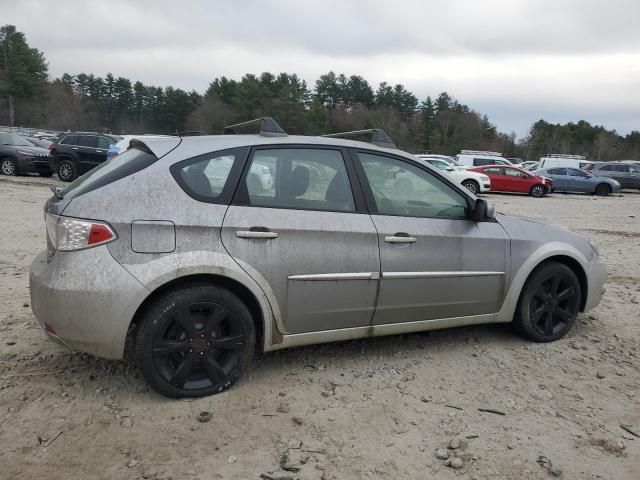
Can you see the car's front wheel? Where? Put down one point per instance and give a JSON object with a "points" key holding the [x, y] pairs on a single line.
{"points": [[538, 191], [472, 186], [195, 341], [67, 171], [549, 303], [8, 166]]}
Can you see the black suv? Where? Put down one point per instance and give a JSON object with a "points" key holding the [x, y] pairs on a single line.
{"points": [[78, 152]]}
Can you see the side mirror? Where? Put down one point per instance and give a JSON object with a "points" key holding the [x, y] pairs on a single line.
{"points": [[483, 210]]}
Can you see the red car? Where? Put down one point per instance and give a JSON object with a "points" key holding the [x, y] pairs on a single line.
{"points": [[514, 179]]}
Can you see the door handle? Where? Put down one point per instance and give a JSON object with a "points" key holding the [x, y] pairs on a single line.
{"points": [[74, 148], [256, 234], [400, 239]]}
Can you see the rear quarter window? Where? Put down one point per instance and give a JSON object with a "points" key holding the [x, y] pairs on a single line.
{"points": [[211, 177], [128, 163]]}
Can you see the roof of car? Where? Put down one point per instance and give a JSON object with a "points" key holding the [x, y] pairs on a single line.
{"points": [[199, 145]]}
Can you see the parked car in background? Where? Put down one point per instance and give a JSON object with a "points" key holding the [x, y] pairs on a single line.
{"points": [[125, 141], [38, 142], [576, 180], [477, 158], [569, 161], [531, 167], [524, 165], [516, 160], [78, 152], [19, 155], [444, 158], [473, 181], [627, 174], [194, 278], [516, 180]]}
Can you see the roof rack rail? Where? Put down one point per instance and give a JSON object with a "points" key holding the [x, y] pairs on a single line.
{"points": [[562, 155], [194, 133], [480, 152], [268, 127], [379, 137]]}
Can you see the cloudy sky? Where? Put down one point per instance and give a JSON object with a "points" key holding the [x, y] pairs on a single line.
{"points": [[515, 60]]}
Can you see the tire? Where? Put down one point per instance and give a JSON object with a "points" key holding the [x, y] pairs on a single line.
{"points": [[181, 354], [472, 186], [549, 303], [8, 166], [67, 171], [538, 191], [603, 190]]}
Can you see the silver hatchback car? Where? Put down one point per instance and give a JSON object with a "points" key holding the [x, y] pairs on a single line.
{"points": [[197, 251]]}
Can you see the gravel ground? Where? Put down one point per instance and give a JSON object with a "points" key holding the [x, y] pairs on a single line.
{"points": [[383, 408]]}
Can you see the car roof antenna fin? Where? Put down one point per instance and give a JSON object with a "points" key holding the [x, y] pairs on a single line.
{"points": [[268, 127]]}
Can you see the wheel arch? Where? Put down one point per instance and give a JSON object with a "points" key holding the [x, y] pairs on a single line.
{"points": [[554, 252], [236, 287], [575, 266]]}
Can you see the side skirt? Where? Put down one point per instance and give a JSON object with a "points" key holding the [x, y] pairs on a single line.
{"points": [[327, 336]]}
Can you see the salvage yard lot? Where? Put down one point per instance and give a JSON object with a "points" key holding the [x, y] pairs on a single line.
{"points": [[376, 408]]}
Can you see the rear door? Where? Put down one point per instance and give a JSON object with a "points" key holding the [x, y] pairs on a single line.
{"points": [[496, 174], [634, 176], [299, 223], [88, 152], [436, 263]]}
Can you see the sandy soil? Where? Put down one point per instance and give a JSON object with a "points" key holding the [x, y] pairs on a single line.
{"points": [[376, 408]]}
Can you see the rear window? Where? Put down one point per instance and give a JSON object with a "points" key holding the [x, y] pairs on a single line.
{"points": [[125, 164]]}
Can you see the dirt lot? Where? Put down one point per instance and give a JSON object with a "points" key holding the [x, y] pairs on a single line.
{"points": [[367, 409]]}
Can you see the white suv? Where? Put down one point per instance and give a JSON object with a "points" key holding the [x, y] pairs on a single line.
{"points": [[477, 158], [475, 182]]}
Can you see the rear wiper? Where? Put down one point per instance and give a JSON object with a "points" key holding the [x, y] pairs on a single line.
{"points": [[57, 191]]}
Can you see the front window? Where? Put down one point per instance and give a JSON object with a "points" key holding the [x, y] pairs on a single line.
{"points": [[510, 172], [400, 188]]}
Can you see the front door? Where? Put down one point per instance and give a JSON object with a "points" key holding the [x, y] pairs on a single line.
{"points": [[436, 263], [297, 224]]}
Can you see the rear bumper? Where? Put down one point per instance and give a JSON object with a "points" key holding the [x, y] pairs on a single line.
{"points": [[596, 278], [85, 300]]}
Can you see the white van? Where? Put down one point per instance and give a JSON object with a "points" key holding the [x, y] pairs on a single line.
{"points": [[569, 161], [478, 158]]}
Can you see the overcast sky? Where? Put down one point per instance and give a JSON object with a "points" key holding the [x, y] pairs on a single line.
{"points": [[515, 60]]}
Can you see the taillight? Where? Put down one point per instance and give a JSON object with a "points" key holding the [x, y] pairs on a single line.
{"points": [[67, 234], [50, 147]]}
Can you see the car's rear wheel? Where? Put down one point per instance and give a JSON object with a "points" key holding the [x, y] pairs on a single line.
{"points": [[603, 190], [8, 166], [67, 171], [472, 186], [537, 191], [195, 341], [549, 303]]}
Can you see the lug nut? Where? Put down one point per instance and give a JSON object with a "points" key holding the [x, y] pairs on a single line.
{"points": [[191, 350], [201, 353], [202, 335]]}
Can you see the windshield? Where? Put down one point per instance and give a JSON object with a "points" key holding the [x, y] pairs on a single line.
{"points": [[13, 139]]}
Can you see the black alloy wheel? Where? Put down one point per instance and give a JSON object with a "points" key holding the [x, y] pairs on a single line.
{"points": [[549, 303], [197, 346], [603, 190]]}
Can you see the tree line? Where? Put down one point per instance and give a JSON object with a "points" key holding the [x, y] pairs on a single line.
{"points": [[336, 102]]}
